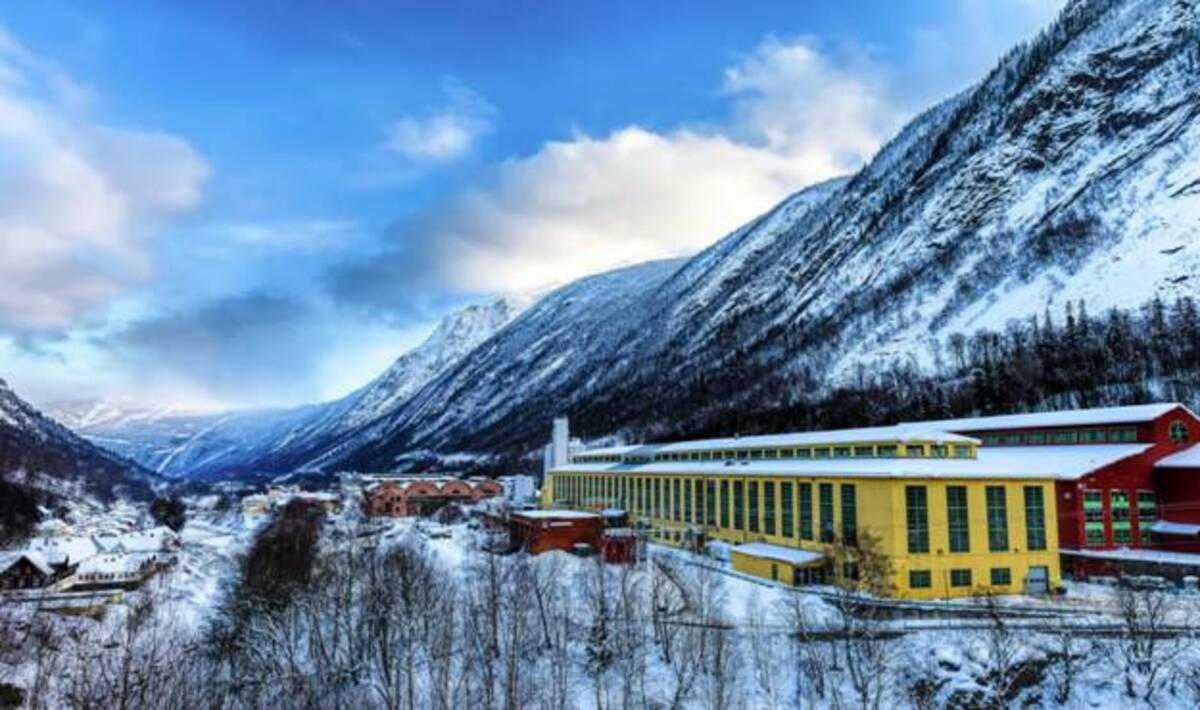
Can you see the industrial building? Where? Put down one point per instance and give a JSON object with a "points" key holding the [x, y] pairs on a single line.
{"points": [[958, 507]]}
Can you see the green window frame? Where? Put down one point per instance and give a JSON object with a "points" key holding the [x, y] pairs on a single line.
{"points": [[960, 578], [1093, 518], [1122, 521], [806, 511], [725, 505], [887, 450], [864, 451], [662, 502], [1068, 436], [1035, 519], [842, 452], [1095, 436], [1147, 512], [687, 501], [997, 518], [787, 501], [676, 508], [914, 451], [916, 506], [920, 579], [1001, 576], [825, 492], [958, 519], [849, 514], [739, 505], [768, 507], [753, 494]]}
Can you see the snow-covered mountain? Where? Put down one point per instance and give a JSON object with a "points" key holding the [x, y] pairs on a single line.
{"points": [[1072, 171], [38, 452], [182, 444]]}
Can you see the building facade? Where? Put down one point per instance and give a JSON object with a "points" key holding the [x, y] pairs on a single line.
{"points": [[404, 497], [949, 523]]}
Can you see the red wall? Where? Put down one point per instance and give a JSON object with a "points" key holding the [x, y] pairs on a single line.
{"points": [[538, 535]]}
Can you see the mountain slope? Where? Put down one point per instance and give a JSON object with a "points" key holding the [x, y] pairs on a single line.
{"points": [[38, 452], [1072, 171], [188, 445]]}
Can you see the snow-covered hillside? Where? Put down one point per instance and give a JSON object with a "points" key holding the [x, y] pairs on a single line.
{"points": [[38, 452], [1072, 171], [196, 445]]}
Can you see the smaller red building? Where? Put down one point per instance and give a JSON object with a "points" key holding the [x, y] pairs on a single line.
{"points": [[538, 531], [619, 546], [425, 496]]}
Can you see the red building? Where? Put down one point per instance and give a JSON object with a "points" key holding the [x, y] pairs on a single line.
{"points": [[619, 546], [538, 531], [1128, 493], [425, 496]]}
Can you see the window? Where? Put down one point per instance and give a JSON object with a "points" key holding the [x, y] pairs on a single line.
{"points": [[806, 518], [753, 506], [997, 519], [1093, 518], [787, 500], [1035, 437], [1095, 436], [739, 506], [888, 450], [687, 501], [1147, 510], [756, 454], [804, 453], [1063, 437], [821, 453], [864, 451], [917, 515], [769, 507], [960, 578], [915, 450], [841, 452], [1178, 432], [725, 504], [1035, 518], [1001, 577], [1012, 439], [660, 507], [1122, 435], [676, 500], [920, 579], [825, 491], [850, 571], [957, 518], [939, 451], [963, 452], [1118, 503], [849, 514], [710, 503]]}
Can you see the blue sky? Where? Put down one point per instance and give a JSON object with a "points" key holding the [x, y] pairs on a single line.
{"points": [[230, 204]]}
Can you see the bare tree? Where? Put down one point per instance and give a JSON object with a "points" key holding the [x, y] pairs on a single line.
{"points": [[1144, 648], [863, 572]]}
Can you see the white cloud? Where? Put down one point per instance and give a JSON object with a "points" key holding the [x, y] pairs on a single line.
{"points": [[445, 134], [594, 202], [78, 199]]}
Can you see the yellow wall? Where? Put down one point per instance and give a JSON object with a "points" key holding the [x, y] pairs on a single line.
{"points": [[881, 514]]}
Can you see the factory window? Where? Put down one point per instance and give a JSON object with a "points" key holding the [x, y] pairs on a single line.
{"points": [[997, 519], [676, 508], [1035, 437], [1147, 510], [725, 504], [958, 519], [939, 451], [841, 452], [769, 507], [915, 450], [739, 506], [698, 513], [1123, 435], [1064, 437], [1035, 519], [804, 453], [826, 501], [963, 452], [960, 578], [1011, 438], [659, 504], [886, 450], [687, 501], [917, 510], [710, 503], [806, 520], [753, 493], [1178, 432], [1095, 436], [787, 500], [1118, 502], [1093, 518], [864, 451], [744, 455], [920, 579], [821, 453], [756, 454], [849, 514], [1001, 576]]}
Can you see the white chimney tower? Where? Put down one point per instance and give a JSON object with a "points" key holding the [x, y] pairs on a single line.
{"points": [[560, 442]]}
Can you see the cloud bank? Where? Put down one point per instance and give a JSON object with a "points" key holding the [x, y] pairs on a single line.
{"points": [[78, 199]]}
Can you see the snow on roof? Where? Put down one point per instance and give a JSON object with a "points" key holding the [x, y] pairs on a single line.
{"points": [[1125, 554], [1026, 462], [114, 564], [554, 514], [1166, 527], [8, 559], [790, 555], [1074, 417], [1188, 458], [64, 549], [900, 432]]}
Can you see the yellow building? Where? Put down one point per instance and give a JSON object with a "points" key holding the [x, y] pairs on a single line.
{"points": [[801, 508]]}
